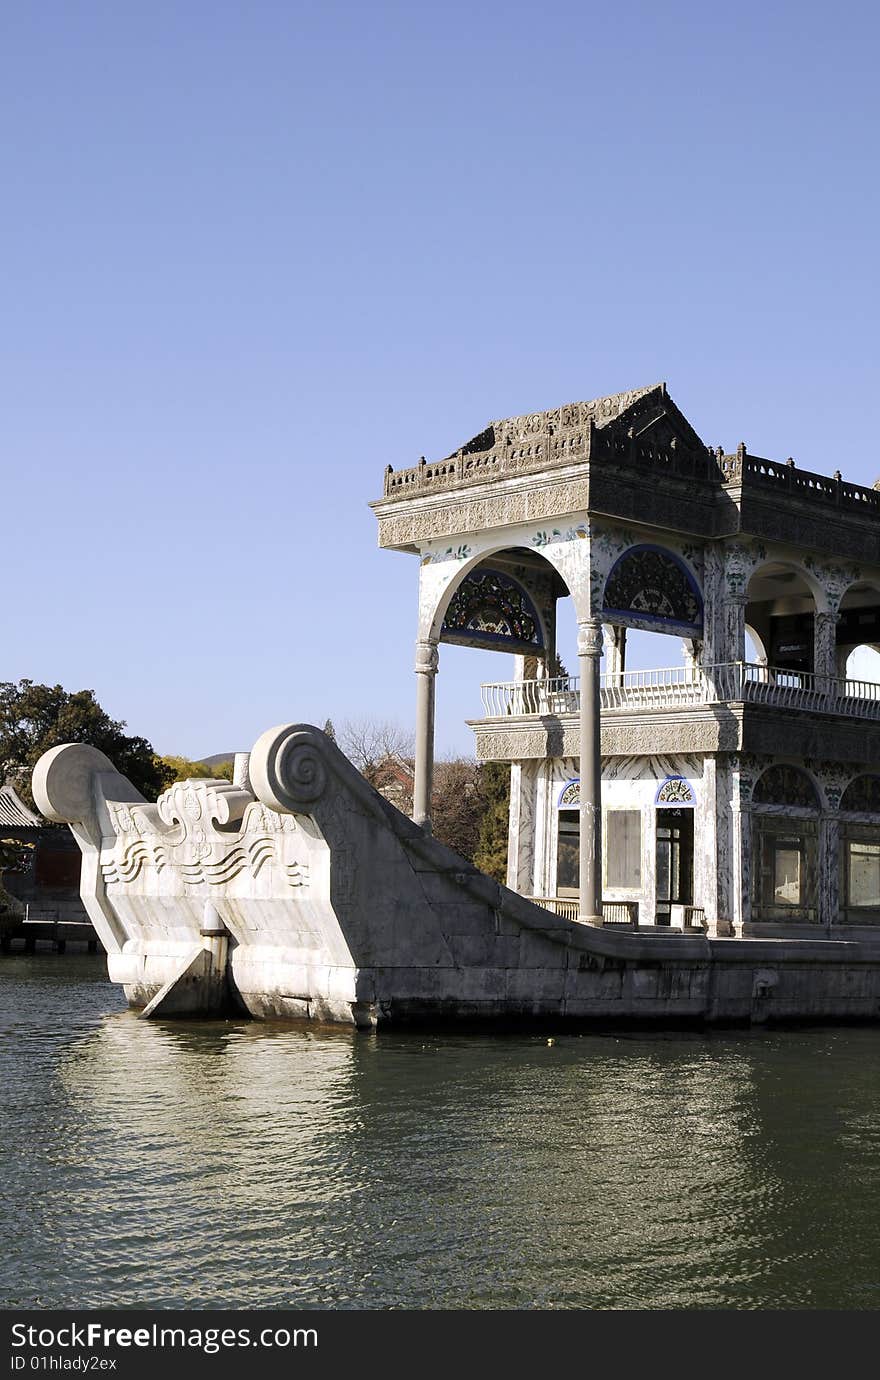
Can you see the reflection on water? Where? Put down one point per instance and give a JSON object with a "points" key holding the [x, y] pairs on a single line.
{"points": [[241, 1165]]}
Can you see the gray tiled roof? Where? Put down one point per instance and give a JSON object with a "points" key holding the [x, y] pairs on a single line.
{"points": [[14, 814]]}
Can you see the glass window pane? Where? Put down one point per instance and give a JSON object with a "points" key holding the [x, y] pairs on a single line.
{"points": [[787, 872], [568, 851], [864, 874]]}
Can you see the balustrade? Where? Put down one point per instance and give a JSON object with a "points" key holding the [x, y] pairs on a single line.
{"points": [[674, 686]]}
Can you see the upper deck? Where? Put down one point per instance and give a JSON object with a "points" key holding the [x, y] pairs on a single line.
{"points": [[730, 707], [632, 456]]}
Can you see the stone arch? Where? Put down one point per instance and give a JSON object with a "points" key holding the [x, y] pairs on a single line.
{"points": [[492, 607], [784, 785], [653, 588], [759, 645], [858, 630], [784, 601], [787, 802], [433, 619], [862, 793], [792, 566]]}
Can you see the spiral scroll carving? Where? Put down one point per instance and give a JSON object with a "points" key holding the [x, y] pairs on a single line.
{"points": [[301, 773], [288, 768]]}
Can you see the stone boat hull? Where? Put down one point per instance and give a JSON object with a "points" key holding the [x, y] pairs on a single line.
{"points": [[300, 893]]}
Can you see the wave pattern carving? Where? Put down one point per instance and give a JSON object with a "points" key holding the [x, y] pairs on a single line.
{"points": [[205, 833]]}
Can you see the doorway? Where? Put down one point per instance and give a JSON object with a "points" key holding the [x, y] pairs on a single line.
{"points": [[675, 862]]}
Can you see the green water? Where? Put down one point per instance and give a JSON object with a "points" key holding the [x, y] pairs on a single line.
{"points": [[263, 1166]]}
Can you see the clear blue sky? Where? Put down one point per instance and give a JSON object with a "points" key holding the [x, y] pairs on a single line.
{"points": [[252, 253]]}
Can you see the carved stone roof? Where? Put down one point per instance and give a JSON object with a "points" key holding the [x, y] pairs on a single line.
{"points": [[599, 411], [548, 440], [631, 455]]}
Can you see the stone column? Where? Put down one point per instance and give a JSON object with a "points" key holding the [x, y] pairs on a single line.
{"points": [[692, 647], [615, 652], [427, 661], [725, 683], [549, 657], [742, 865], [825, 652], [521, 829], [706, 857], [829, 870], [513, 826], [734, 636], [589, 656]]}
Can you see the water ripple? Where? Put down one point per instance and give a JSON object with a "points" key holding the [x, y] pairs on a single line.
{"points": [[227, 1164]]}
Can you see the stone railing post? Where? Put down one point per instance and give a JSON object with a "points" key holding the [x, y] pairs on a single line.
{"points": [[589, 656], [427, 661]]}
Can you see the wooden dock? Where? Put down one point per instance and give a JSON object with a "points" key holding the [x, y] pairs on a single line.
{"points": [[46, 930]]}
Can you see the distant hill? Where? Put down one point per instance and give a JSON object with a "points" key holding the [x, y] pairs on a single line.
{"points": [[217, 758]]}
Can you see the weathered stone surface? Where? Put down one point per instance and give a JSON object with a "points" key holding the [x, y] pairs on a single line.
{"points": [[338, 908]]}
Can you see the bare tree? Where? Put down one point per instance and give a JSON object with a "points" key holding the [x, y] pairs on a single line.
{"points": [[370, 743], [462, 790]]}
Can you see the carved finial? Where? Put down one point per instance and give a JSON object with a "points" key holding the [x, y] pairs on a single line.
{"points": [[741, 451], [790, 462], [389, 469], [422, 460], [838, 476]]}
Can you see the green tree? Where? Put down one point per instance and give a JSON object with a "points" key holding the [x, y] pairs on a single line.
{"points": [[558, 667], [457, 804], [491, 851], [183, 768], [34, 718]]}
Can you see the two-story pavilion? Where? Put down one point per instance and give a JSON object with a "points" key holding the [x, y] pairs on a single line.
{"points": [[743, 795]]}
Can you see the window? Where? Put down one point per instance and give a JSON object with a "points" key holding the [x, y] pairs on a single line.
{"points": [[568, 853], [786, 854], [787, 866], [863, 874], [623, 849]]}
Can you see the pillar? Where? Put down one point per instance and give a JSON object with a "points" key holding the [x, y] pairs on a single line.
{"points": [[589, 657], [708, 817], [615, 652], [427, 661], [825, 652], [692, 648], [829, 870], [742, 863], [724, 678], [734, 633]]}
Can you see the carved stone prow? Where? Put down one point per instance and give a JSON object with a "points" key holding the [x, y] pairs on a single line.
{"points": [[71, 785]]}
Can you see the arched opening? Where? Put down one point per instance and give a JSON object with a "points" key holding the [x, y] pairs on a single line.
{"points": [[860, 851], [515, 602], [652, 588], [858, 640], [652, 609], [780, 618], [785, 815]]}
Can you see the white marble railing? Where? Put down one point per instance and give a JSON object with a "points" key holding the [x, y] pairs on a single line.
{"points": [[674, 686]]}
